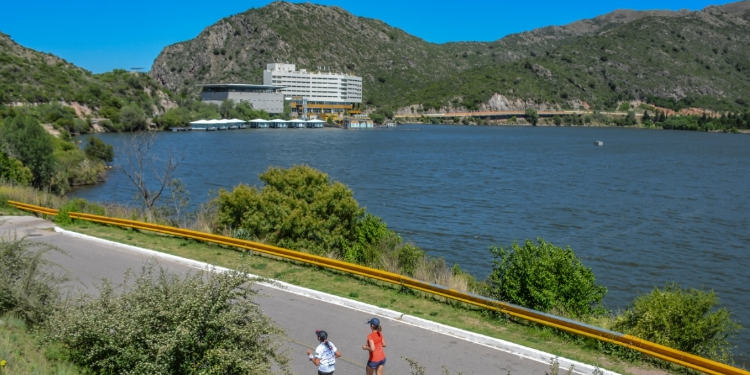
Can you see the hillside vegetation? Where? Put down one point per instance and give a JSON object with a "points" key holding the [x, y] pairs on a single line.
{"points": [[696, 60], [693, 58], [31, 77]]}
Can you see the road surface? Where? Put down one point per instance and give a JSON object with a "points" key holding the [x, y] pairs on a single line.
{"points": [[90, 261]]}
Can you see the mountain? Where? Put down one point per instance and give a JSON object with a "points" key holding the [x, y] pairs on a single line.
{"points": [[28, 76], [674, 60], [621, 56], [392, 62]]}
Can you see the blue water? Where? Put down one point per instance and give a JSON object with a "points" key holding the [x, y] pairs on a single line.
{"points": [[647, 208]]}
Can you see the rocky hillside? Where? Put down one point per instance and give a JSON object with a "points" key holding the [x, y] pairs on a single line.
{"points": [[674, 60], [28, 76], [623, 55], [237, 49]]}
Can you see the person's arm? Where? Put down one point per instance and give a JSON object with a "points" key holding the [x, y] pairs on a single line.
{"points": [[383, 341], [337, 354], [370, 346], [315, 361]]}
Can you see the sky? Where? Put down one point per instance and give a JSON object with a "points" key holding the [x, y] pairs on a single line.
{"points": [[103, 35]]}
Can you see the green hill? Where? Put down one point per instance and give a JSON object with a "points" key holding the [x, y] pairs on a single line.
{"points": [[28, 76], [623, 55], [697, 59]]}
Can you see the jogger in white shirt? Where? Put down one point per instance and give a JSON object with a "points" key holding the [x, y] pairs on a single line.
{"points": [[325, 354]]}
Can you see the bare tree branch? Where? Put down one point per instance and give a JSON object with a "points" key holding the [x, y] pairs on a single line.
{"points": [[140, 161]]}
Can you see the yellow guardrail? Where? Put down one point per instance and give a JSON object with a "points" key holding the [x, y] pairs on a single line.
{"points": [[646, 347]]}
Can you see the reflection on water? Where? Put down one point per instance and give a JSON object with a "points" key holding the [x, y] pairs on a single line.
{"points": [[649, 207]]}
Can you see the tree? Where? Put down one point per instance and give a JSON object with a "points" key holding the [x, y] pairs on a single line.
{"points": [[138, 162], [646, 117], [557, 120], [24, 139], [13, 170], [532, 116], [132, 118], [226, 108], [98, 150]]}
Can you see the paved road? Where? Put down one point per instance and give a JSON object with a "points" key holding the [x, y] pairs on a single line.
{"points": [[89, 262]]}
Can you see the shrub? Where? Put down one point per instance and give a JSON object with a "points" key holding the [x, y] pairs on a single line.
{"points": [[161, 323], [28, 282], [683, 319], [545, 277], [299, 208], [96, 149], [77, 205], [13, 170]]}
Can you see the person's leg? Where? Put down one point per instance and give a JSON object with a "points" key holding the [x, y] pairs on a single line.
{"points": [[369, 370], [380, 369]]}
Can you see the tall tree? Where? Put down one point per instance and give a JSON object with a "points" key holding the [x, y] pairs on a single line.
{"points": [[532, 116], [24, 139]]}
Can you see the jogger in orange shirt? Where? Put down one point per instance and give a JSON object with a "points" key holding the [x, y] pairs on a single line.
{"points": [[375, 345]]}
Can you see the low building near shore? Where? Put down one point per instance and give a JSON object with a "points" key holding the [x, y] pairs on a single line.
{"points": [[265, 97]]}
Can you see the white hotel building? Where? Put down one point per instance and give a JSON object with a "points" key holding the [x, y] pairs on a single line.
{"points": [[316, 93]]}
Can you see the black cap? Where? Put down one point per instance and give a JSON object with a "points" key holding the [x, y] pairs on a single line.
{"points": [[322, 335]]}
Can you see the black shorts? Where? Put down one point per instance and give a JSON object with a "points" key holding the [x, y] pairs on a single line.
{"points": [[325, 373]]}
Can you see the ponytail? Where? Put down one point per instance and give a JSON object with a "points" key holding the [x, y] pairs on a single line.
{"points": [[328, 344]]}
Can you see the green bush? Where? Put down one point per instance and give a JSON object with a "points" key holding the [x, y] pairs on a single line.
{"points": [[28, 281], [160, 323], [299, 208], [77, 205], [683, 319], [32, 145], [96, 149], [546, 278], [11, 169]]}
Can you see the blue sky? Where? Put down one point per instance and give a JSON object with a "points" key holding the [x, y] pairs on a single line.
{"points": [[102, 35]]}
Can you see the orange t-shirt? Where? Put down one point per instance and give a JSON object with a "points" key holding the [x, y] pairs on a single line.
{"points": [[376, 355]]}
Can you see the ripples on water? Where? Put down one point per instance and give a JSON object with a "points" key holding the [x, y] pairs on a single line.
{"points": [[649, 207]]}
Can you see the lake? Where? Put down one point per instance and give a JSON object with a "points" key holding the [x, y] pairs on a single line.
{"points": [[646, 208]]}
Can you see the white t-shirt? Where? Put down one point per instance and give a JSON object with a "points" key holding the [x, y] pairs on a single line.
{"points": [[327, 356]]}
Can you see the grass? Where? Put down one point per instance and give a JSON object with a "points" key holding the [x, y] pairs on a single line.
{"points": [[23, 354], [364, 290]]}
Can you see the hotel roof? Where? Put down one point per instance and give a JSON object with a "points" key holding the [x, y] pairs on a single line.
{"points": [[241, 85]]}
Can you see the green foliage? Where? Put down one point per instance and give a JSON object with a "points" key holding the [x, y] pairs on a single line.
{"points": [[24, 139], [624, 107], [532, 116], [11, 169], [28, 281], [96, 149], [299, 208], [77, 205], [28, 76], [370, 231], [132, 118], [545, 277], [408, 258], [159, 322], [683, 319], [377, 118]]}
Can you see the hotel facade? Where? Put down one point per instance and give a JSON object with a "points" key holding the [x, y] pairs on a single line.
{"points": [[315, 94]]}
